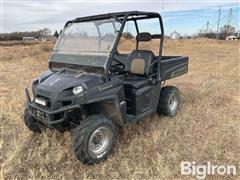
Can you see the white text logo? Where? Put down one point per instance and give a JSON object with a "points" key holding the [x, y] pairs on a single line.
{"points": [[201, 171]]}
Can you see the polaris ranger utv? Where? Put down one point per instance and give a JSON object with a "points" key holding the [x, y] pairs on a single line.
{"points": [[91, 88]]}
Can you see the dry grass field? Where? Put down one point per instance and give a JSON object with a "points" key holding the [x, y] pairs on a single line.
{"points": [[206, 129]]}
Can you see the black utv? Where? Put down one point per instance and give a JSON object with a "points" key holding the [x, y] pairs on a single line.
{"points": [[91, 87]]}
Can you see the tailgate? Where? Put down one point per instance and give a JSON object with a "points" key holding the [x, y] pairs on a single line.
{"points": [[173, 66]]}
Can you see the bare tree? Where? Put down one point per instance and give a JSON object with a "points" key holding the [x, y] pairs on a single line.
{"points": [[45, 31], [226, 30], [56, 34]]}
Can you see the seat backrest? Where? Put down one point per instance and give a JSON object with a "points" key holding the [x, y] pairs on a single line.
{"points": [[139, 61]]}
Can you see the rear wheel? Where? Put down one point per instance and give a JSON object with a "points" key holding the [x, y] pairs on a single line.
{"points": [[32, 123], [94, 139], [170, 100]]}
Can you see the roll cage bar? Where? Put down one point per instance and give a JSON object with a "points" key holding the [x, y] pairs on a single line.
{"points": [[123, 17]]}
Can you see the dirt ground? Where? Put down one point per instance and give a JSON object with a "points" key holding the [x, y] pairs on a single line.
{"points": [[206, 129]]}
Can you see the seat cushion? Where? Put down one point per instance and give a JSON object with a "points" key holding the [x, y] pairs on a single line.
{"points": [[135, 82]]}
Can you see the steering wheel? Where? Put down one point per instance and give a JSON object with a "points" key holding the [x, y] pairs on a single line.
{"points": [[118, 67]]}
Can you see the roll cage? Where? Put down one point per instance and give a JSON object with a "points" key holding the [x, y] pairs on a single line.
{"points": [[123, 17]]}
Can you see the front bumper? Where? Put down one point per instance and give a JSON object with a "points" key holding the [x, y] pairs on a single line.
{"points": [[45, 116]]}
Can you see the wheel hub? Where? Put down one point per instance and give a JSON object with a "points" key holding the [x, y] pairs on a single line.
{"points": [[173, 103], [99, 141]]}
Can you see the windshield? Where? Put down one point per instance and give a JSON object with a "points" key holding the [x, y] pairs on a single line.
{"points": [[93, 39], [86, 43]]}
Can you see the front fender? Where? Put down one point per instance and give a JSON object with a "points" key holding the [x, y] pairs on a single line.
{"points": [[111, 107]]}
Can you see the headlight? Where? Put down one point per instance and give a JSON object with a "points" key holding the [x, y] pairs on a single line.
{"points": [[78, 89]]}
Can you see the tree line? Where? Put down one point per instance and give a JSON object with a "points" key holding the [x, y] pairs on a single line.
{"points": [[224, 32], [14, 36]]}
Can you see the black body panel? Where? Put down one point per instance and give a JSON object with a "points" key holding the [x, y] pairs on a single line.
{"points": [[173, 66], [139, 100]]}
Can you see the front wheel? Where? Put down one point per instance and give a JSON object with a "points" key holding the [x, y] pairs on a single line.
{"points": [[170, 100], [94, 139]]}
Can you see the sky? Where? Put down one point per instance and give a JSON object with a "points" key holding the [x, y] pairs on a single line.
{"points": [[185, 16]]}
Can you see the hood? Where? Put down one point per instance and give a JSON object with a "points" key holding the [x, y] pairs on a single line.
{"points": [[64, 80]]}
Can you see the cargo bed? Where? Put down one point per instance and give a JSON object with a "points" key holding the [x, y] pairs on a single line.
{"points": [[173, 66]]}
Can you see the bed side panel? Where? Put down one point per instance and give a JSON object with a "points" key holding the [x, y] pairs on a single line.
{"points": [[171, 67]]}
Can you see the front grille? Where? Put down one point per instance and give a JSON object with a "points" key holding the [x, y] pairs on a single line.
{"points": [[43, 92], [39, 114]]}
